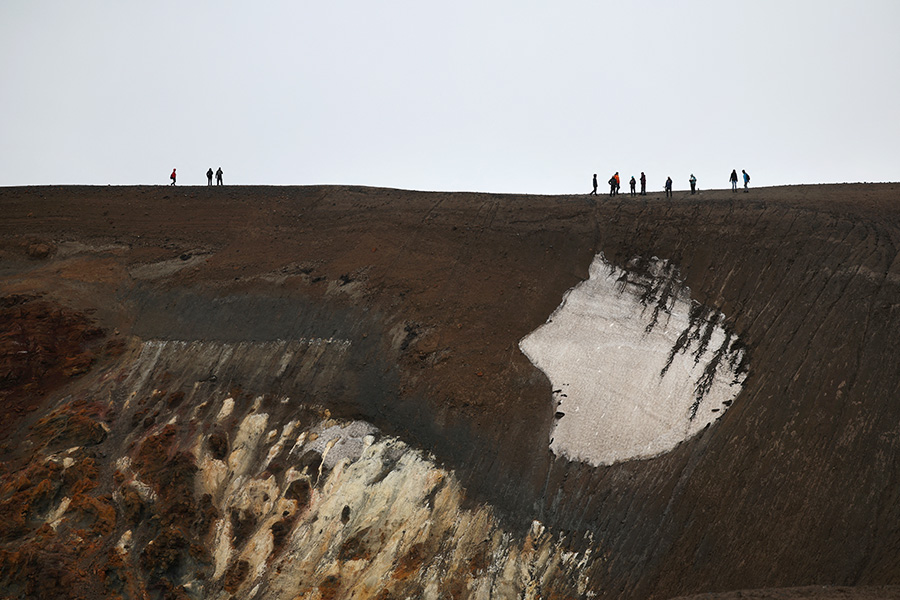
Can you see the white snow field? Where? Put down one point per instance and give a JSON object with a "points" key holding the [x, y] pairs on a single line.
{"points": [[636, 366]]}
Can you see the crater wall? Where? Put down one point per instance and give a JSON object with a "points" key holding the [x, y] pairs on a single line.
{"points": [[216, 392]]}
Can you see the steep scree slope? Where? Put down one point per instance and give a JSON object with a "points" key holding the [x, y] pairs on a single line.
{"points": [[318, 392]]}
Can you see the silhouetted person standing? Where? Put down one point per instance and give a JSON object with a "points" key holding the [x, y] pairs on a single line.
{"points": [[633, 182], [693, 181], [594, 193], [733, 181], [643, 184], [219, 176], [746, 180], [209, 176], [668, 187], [612, 185], [172, 176]]}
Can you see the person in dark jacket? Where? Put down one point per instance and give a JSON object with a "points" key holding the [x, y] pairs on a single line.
{"points": [[733, 180], [209, 175], [219, 176]]}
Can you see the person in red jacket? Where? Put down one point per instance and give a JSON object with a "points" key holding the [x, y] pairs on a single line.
{"points": [[172, 176]]}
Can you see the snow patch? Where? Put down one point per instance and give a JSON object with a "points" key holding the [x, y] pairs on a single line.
{"points": [[636, 366]]}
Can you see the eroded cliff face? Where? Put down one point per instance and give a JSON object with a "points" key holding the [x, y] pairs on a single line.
{"points": [[213, 491], [320, 393]]}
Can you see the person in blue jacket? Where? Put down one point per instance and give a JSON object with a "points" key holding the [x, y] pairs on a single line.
{"points": [[746, 180]]}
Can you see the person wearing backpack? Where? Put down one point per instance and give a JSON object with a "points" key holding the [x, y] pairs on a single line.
{"points": [[693, 181], [746, 180], [172, 177]]}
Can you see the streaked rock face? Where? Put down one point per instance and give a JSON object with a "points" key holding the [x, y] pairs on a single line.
{"points": [[226, 494], [636, 366], [386, 521]]}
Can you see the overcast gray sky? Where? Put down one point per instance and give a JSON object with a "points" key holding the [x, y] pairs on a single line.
{"points": [[499, 96]]}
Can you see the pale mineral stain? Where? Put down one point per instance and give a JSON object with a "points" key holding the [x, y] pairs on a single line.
{"points": [[55, 516], [226, 410], [246, 442]]}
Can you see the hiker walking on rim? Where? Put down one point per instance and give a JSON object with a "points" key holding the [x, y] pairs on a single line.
{"points": [[733, 180], [172, 177], [219, 176], [612, 185], [632, 183], [693, 181], [668, 187], [594, 193], [209, 176], [746, 180], [643, 184]]}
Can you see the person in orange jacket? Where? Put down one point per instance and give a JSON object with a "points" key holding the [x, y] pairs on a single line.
{"points": [[172, 176]]}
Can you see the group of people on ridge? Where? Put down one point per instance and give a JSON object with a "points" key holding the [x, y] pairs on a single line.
{"points": [[615, 184], [734, 180], [209, 176]]}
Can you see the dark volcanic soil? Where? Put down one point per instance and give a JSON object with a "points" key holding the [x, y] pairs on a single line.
{"points": [[798, 484]]}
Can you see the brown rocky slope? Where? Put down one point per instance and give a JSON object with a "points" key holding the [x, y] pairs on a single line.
{"points": [[413, 304]]}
